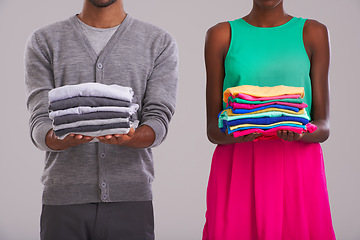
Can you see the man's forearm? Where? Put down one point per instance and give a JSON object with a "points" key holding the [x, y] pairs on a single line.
{"points": [[143, 137]]}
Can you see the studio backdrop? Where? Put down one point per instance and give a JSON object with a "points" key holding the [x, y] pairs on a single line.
{"points": [[182, 162]]}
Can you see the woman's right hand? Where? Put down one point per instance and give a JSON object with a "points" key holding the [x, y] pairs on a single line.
{"points": [[247, 138], [223, 138]]}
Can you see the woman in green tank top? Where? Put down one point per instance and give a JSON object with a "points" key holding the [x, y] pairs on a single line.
{"points": [[271, 189]]}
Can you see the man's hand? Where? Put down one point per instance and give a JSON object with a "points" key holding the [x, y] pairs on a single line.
{"points": [[70, 140], [142, 137], [118, 139]]}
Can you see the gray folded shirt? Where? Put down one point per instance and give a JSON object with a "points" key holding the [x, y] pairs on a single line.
{"points": [[91, 128], [85, 109], [87, 101], [88, 116], [90, 122]]}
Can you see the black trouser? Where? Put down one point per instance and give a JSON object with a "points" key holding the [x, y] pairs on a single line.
{"points": [[98, 221]]}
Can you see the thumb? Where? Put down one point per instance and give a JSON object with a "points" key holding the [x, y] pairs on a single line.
{"points": [[131, 132]]}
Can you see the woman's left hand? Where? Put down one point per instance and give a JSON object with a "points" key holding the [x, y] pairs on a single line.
{"points": [[289, 135]]}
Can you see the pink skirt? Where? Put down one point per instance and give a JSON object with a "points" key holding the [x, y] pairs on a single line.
{"points": [[268, 190]]}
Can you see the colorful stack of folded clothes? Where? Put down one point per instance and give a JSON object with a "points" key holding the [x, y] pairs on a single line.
{"points": [[91, 109], [265, 110]]}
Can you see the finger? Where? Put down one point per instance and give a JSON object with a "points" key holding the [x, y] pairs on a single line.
{"points": [[131, 132], [255, 136], [298, 136], [283, 134], [102, 140], [291, 136], [108, 136], [250, 137], [78, 136], [114, 140], [301, 135], [67, 137]]}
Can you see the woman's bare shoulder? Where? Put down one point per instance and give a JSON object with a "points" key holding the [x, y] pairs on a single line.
{"points": [[315, 29], [219, 32]]}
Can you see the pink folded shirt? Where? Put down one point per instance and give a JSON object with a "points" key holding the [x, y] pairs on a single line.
{"points": [[236, 105], [272, 133], [252, 98]]}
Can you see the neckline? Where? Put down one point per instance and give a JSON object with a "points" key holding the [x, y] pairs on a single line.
{"points": [[97, 29], [114, 38], [275, 27]]}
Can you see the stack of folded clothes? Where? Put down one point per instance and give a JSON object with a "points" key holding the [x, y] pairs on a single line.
{"points": [[91, 109], [265, 110]]}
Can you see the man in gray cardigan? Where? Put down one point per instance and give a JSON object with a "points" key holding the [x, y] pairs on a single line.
{"points": [[101, 189]]}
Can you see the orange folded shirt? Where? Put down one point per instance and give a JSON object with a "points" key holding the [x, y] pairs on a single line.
{"points": [[257, 91]]}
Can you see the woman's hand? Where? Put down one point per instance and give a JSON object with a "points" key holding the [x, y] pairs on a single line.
{"points": [[289, 135], [247, 138]]}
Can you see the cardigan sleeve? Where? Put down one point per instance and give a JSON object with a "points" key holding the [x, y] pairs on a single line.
{"points": [[39, 81], [161, 90]]}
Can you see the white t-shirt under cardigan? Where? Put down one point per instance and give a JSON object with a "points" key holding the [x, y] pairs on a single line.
{"points": [[138, 55]]}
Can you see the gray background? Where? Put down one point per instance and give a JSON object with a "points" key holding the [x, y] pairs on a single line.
{"points": [[183, 161]]}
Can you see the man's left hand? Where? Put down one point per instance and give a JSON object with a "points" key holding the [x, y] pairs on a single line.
{"points": [[118, 139]]}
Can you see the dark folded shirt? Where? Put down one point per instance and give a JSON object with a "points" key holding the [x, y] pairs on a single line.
{"points": [[87, 101], [88, 116], [91, 128]]}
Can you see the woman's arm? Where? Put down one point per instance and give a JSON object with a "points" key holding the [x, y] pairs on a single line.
{"points": [[216, 46], [316, 42]]}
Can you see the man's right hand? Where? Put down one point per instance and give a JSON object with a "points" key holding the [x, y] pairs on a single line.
{"points": [[70, 140]]}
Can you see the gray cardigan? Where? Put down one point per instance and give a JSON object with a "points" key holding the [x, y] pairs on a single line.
{"points": [[139, 55]]}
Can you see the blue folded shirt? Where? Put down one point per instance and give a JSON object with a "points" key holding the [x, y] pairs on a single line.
{"points": [[263, 121]]}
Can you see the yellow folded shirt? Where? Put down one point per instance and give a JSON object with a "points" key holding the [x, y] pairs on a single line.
{"points": [[230, 113], [267, 125], [257, 91]]}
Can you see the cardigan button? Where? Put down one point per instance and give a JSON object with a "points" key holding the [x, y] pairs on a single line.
{"points": [[104, 197], [99, 65]]}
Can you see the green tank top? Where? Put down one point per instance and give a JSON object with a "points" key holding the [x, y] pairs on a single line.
{"points": [[268, 57]]}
